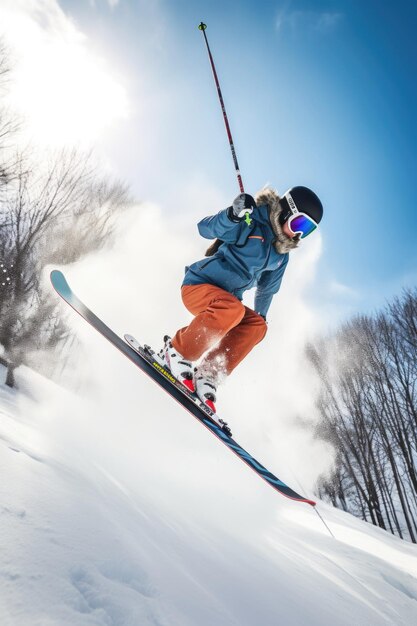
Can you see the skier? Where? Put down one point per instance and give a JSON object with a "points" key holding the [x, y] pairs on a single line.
{"points": [[254, 241]]}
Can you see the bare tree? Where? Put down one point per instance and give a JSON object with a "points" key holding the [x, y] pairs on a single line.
{"points": [[54, 215], [8, 124], [53, 209], [368, 370]]}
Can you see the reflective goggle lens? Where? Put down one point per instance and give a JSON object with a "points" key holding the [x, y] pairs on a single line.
{"points": [[301, 223]]}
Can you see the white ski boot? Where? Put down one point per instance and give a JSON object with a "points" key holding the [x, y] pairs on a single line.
{"points": [[180, 368], [206, 388]]}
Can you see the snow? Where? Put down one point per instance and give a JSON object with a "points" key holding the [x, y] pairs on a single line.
{"points": [[92, 533], [118, 508]]}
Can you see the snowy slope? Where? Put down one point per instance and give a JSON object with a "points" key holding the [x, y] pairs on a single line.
{"points": [[144, 518], [118, 508]]}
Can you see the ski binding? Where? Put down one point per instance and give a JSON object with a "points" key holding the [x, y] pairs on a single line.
{"points": [[146, 352]]}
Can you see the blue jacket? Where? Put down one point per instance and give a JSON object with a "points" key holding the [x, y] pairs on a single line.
{"points": [[246, 259]]}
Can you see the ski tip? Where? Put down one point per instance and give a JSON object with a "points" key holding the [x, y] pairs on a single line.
{"points": [[59, 282], [54, 275], [310, 502]]}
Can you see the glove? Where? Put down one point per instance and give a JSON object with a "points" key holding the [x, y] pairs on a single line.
{"points": [[242, 204]]}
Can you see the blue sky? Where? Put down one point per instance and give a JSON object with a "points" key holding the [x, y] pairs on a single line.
{"points": [[318, 93]]}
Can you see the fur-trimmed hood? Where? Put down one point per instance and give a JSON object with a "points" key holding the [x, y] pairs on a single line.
{"points": [[269, 197]]}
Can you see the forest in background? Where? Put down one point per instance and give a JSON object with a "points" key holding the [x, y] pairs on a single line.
{"points": [[55, 207], [368, 373]]}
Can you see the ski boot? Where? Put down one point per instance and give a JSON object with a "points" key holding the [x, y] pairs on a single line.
{"points": [[178, 366], [205, 388]]}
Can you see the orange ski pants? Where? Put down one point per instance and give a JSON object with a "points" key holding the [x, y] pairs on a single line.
{"points": [[222, 319]]}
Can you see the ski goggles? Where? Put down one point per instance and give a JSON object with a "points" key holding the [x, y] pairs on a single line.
{"points": [[299, 223], [302, 224]]}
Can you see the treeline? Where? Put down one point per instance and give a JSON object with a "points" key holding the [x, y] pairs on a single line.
{"points": [[368, 404], [53, 209]]}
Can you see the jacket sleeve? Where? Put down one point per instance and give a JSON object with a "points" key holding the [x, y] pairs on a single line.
{"points": [[220, 226], [268, 285]]}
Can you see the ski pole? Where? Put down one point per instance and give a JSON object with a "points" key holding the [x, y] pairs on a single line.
{"points": [[217, 243], [203, 27]]}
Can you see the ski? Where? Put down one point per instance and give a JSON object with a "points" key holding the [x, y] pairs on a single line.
{"points": [[143, 357]]}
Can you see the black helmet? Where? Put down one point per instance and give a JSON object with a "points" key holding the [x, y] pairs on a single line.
{"points": [[300, 200]]}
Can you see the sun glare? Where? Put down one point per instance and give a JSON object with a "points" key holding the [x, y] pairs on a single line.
{"points": [[66, 93]]}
